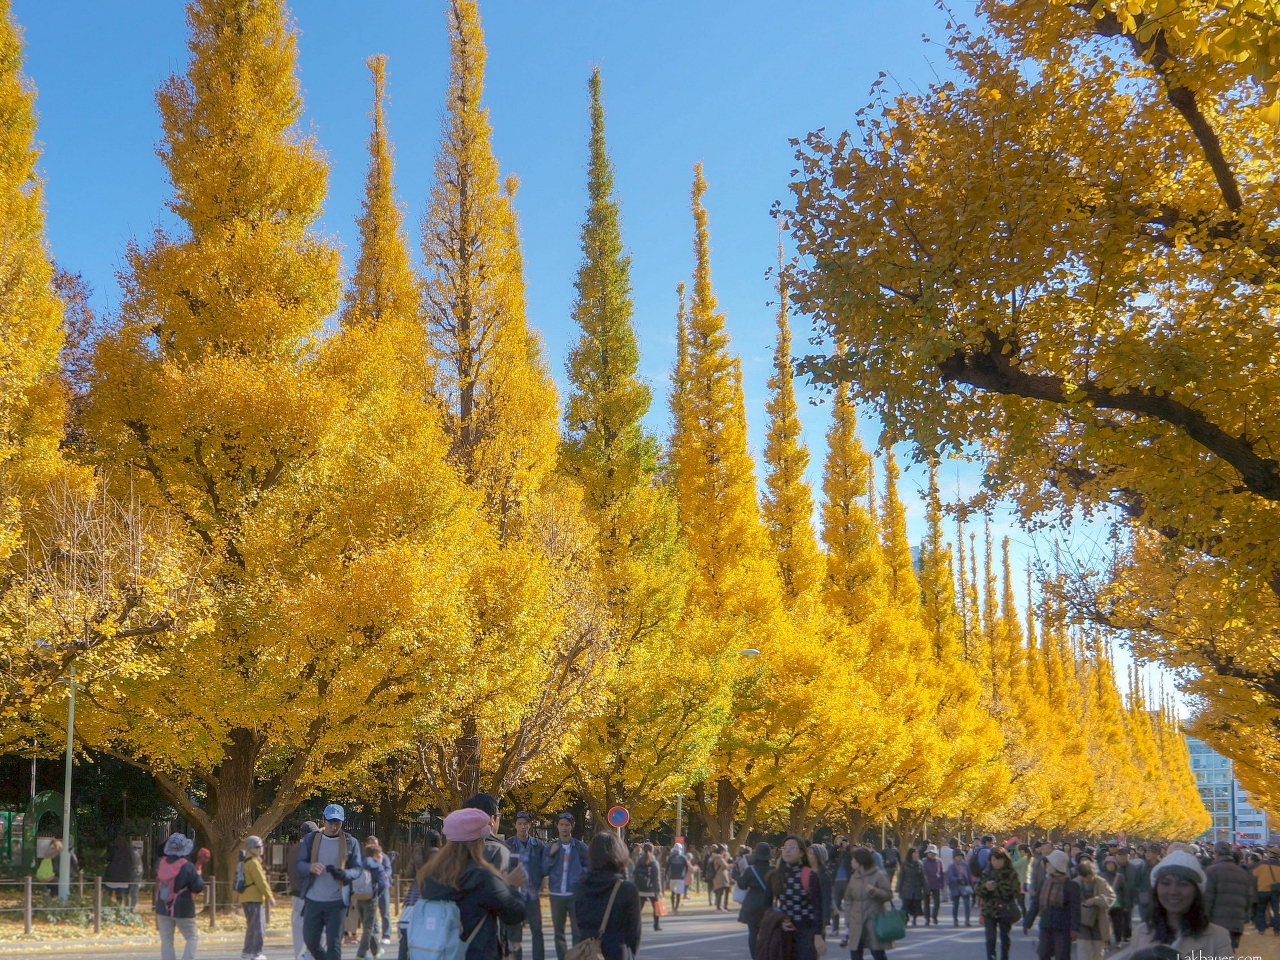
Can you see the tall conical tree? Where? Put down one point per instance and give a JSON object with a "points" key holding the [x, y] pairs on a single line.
{"points": [[384, 285], [496, 392], [937, 584], [306, 495], [788, 498], [32, 401], [655, 726], [900, 571], [714, 472], [855, 563]]}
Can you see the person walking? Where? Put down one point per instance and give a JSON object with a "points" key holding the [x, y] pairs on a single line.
{"points": [[1229, 892], [1059, 908], [677, 875], [801, 892], [329, 863], [607, 904], [462, 873], [300, 951], [935, 878], [1023, 859], [177, 878], [998, 890], [890, 860], [1096, 900], [528, 850], [980, 854], [384, 898], [1266, 877], [1123, 905], [256, 892], [1039, 868], [911, 885], [1177, 918], [367, 904], [759, 895], [564, 863], [839, 879], [867, 893], [960, 884], [720, 879], [647, 879], [119, 873]]}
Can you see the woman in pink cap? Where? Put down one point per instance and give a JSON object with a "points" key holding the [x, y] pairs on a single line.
{"points": [[487, 900]]}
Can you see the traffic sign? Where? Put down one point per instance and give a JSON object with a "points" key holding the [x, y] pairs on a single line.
{"points": [[618, 817]]}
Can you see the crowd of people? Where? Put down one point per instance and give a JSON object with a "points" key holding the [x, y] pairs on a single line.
{"points": [[796, 899]]}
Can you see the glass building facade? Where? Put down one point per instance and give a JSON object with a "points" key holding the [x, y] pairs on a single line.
{"points": [[1234, 818]]}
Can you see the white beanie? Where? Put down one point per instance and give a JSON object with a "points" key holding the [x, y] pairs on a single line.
{"points": [[1179, 863], [1060, 861]]}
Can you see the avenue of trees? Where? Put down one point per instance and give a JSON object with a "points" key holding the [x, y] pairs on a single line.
{"points": [[302, 536]]}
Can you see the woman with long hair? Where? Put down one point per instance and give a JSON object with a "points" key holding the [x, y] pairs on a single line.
{"points": [[617, 927], [1178, 918], [802, 892], [487, 900]]}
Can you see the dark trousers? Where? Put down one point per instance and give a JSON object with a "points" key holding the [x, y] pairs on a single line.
{"points": [[753, 934], [1121, 923], [805, 950], [562, 907], [1054, 944], [515, 932], [856, 952], [1029, 917], [932, 904], [368, 911], [838, 888], [995, 926], [324, 918], [384, 911], [955, 907], [1268, 903], [253, 929]]}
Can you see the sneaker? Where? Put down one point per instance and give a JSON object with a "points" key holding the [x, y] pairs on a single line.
{"points": [[844, 942], [386, 940]]}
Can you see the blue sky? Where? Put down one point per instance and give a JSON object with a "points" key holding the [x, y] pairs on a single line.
{"points": [[727, 83]]}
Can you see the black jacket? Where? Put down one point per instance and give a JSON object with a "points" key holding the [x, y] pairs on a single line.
{"points": [[648, 877], [481, 895], [188, 882], [624, 920], [120, 869], [759, 896]]}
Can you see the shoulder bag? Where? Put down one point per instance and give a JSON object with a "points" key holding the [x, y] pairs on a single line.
{"points": [[591, 948]]}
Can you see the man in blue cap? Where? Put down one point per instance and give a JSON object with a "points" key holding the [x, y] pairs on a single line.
{"points": [[328, 864]]}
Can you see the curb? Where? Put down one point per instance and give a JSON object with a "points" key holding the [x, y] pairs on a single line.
{"points": [[9, 947]]}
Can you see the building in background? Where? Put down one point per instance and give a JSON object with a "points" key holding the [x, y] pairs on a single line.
{"points": [[1234, 818]]}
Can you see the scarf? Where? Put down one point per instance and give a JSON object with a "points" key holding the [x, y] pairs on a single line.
{"points": [[1054, 891]]}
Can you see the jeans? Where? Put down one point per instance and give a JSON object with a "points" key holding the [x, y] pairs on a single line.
{"points": [[1002, 926], [838, 888], [1055, 944], [1120, 923], [515, 931], [368, 911], [932, 904], [1029, 917], [955, 907], [253, 929], [324, 917], [300, 951], [167, 925], [384, 912], [561, 907], [1267, 903]]}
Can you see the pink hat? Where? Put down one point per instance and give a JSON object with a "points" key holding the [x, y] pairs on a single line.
{"points": [[463, 826]]}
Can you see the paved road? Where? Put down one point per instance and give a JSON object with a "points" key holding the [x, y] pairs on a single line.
{"points": [[694, 934]]}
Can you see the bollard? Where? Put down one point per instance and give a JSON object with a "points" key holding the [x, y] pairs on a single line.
{"points": [[97, 904], [213, 903], [81, 891], [396, 887], [26, 906], [266, 913]]}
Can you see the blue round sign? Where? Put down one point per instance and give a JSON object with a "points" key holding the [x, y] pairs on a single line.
{"points": [[618, 816]]}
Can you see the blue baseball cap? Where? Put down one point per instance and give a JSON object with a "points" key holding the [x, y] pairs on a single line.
{"points": [[334, 812]]}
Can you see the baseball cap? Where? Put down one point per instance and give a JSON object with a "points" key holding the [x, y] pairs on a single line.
{"points": [[334, 811]]}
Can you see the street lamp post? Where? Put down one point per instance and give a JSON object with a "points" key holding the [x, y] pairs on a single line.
{"points": [[64, 860]]}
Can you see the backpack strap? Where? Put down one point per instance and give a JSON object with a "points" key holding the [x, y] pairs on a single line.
{"points": [[315, 847], [613, 895], [474, 931]]}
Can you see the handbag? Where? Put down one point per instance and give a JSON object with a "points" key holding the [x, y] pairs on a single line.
{"points": [[965, 891], [1010, 912], [888, 926], [740, 893], [591, 948]]}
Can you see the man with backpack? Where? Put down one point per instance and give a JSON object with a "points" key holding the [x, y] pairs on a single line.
{"points": [[177, 878], [564, 863], [528, 850], [366, 892], [329, 863]]}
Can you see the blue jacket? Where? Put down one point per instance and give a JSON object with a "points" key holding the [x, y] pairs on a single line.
{"points": [[346, 876], [537, 850], [378, 874], [553, 866]]}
